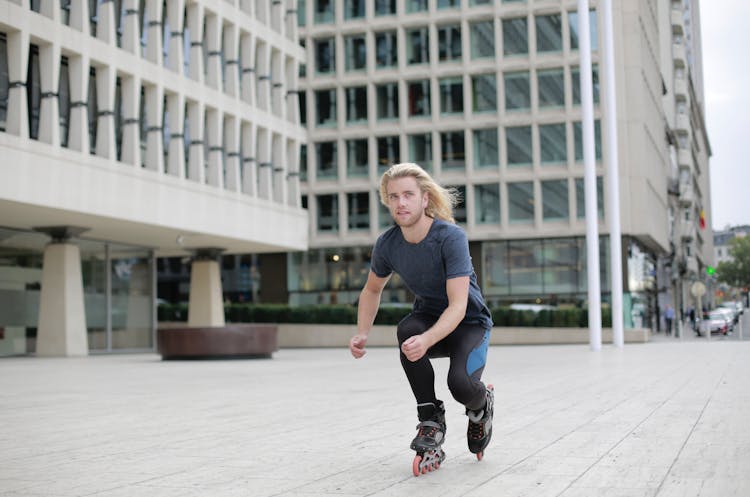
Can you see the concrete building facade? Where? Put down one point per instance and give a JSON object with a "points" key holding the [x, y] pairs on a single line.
{"points": [[131, 130], [485, 95]]}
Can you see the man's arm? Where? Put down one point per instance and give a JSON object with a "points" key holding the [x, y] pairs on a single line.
{"points": [[367, 308], [458, 298]]}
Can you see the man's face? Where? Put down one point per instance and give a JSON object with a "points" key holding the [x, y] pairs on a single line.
{"points": [[405, 201]]}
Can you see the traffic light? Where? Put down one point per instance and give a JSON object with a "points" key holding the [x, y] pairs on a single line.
{"points": [[710, 270]]}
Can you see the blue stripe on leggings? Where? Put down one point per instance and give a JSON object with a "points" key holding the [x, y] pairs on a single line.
{"points": [[478, 356]]}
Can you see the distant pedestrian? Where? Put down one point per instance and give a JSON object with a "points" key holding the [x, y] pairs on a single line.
{"points": [[668, 318]]}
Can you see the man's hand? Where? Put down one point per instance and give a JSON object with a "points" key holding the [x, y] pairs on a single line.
{"points": [[414, 348], [357, 345]]}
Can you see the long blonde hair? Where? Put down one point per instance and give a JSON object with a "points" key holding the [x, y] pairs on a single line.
{"points": [[440, 201]]}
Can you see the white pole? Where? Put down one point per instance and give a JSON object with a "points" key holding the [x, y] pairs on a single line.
{"points": [[589, 161], [613, 184]]}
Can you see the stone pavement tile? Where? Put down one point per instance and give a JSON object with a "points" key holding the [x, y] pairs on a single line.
{"points": [[623, 476], [608, 492], [552, 465], [525, 485], [697, 487]]}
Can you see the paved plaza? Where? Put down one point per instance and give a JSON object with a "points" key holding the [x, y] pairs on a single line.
{"points": [[668, 418]]}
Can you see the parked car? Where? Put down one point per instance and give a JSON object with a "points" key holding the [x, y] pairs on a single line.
{"points": [[735, 306], [716, 322], [729, 314]]}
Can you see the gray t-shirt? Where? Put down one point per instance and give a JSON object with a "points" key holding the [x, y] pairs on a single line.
{"points": [[426, 266]]}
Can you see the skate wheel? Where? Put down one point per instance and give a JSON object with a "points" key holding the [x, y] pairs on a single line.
{"points": [[480, 455], [415, 465]]}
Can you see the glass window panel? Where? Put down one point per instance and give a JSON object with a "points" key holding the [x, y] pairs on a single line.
{"points": [[548, 33], [448, 4], [356, 55], [459, 211], [487, 203], [496, 268], [453, 150], [553, 144], [386, 49], [485, 148], [521, 201], [526, 260], [420, 150], [301, 12], [575, 31], [389, 152], [325, 55], [63, 99], [356, 104], [354, 9], [484, 92], [419, 97], [33, 92], [387, 100], [555, 200], [385, 219], [581, 198], [385, 7], [518, 145], [302, 99], [561, 265], [480, 2], [418, 46], [359, 211], [517, 91], [328, 213], [578, 140], [449, 42], [302, 162], [515, 36], [451, 95], [356, 157], [482, 39], [325, 101], [327, 160], [4, 81], [551, 87], [416, 6], [324, 11], [575, 77]]}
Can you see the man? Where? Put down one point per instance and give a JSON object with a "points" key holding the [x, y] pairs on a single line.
{"points": [[668, 319], [449, 317]]}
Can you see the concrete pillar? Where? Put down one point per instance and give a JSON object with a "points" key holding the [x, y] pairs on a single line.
{"points": [[206, 306], [62, 319]]}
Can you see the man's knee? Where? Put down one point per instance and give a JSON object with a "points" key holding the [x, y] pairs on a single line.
{"points": [[408, 327]]}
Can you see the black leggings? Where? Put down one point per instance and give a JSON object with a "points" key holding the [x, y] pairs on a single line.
{"points": [[466, 347]]}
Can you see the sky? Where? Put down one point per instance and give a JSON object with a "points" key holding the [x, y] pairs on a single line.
{"points": [[726, 75]]}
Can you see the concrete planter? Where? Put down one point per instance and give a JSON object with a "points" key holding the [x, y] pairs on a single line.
{"points": [[231, 341]]}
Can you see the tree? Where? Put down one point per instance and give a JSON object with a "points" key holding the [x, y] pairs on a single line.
{"points": [[736, 272]]}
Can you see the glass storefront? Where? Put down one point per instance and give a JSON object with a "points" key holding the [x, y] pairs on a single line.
{"points": [[118, 287]]}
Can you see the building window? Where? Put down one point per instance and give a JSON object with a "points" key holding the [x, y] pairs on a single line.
{"points": [[354, 9], [389, 152], [325, 101], [517, 91], [555, 200], [451, 95], [515, 36], [4, 81], [356, 157], [518, 145], [33, 92], [328, 213], [484, 93], [325, 55], [385, 220], [474, 3], [453, 150], [416, 6], [418, 46], [551, 83], [355, 53], [385, 7], [553, 143], [459, 211], [63, 99], [575, 77], [419, 97], [324, 11], [449, 42], [578, 140], [302, 162], [420, 150], [356, 104], [359, 211], [521, 202], [386, 49], [448, 4], [302, 99], [485, 148], [301, 13], [575, 31], [482, 39], [487, 203], [548, 33], [93, 112], [581, 198], [387, 101], [327, 161]]}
